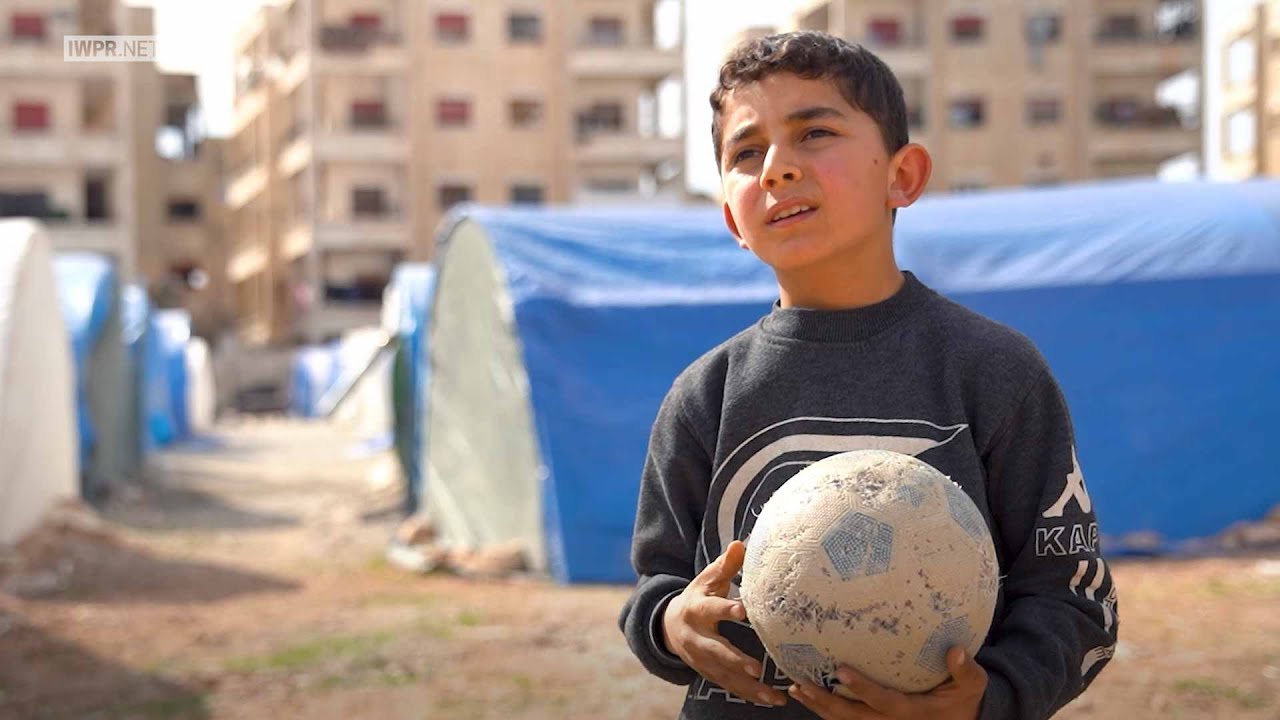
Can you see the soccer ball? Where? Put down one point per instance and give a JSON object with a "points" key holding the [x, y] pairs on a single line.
{"points": [[871, 559]]}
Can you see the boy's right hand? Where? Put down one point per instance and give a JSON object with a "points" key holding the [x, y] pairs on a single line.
{"points": [[690, 629]]}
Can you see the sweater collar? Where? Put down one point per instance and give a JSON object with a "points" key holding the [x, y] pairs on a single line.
{"points": [[843, 326]]}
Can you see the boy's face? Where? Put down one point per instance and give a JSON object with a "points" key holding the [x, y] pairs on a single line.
{"points": [[793, 143]]}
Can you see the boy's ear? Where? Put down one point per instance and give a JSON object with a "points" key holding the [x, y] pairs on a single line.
{"points": [[733, 226], [909, 170]]}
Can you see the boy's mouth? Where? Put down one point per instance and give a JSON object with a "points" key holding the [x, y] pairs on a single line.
{"points": [[790, 213]]}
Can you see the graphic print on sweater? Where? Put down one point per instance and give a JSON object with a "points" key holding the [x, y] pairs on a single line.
{"points": [[768, 459]]}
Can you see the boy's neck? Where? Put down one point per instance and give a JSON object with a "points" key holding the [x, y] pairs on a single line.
{"points": [[841, 286]]}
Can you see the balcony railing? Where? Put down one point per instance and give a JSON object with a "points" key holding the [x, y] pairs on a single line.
{"points": [[353, 38], [1112, 115]]}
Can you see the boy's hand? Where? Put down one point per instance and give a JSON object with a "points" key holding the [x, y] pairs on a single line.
{"points": [[959, 698], [689, 627]]}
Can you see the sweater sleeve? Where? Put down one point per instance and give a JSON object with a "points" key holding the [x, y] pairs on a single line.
{"points": [[1058, 627], [673, 496]]}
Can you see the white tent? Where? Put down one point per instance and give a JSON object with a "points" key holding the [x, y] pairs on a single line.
{"points": [[38, 435]]}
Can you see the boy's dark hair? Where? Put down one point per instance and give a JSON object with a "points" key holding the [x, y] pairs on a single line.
{"points": [[862, 78]]}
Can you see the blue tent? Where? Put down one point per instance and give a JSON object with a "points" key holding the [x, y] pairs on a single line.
{"points": [[314, 372], [557, 332], [407, 310], [172, 331], [89, 297]]}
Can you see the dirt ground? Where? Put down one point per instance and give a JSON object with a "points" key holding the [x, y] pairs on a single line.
{"points": [[246, 580]]}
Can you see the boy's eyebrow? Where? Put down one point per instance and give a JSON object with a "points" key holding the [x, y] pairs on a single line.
{"points": [[802, 115]]}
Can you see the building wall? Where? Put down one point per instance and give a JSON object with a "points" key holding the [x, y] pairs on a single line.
{"points": [[298, 255], [1007, 73]]}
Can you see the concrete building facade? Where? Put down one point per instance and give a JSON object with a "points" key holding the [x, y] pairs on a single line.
{"points": [[78, 150], [1032, 92], [1250, 112], [359, 123]]}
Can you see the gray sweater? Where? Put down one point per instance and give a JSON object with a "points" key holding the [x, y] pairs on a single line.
{"points": [[916, 374]]}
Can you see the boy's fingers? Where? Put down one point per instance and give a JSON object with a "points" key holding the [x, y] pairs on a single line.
{"points": [[827, 705], [890, 702], [717, 576], [713, 609], [722, 652], [966, 671]]}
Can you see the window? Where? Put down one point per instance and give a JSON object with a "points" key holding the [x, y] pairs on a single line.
{"points": [[26, 26], [452, 28], [1242, 62], [29, 116], [1043, 29], [184, 209], [603, 117], [96, 201], [368, 114], [368, 201], [356, 276], [1242, 129], [967, 28], [884, 32], [1118, 111], [605, 31], [524, 28], [966, 113], [24, 204], [451, 195], [525, 113], [1043, 111], [1119, 27], [526, 194], [611, 186], [365, 21], [453, 113]]}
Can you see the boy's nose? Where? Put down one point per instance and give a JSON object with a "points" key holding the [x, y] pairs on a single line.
{"points": [[777, 170]]}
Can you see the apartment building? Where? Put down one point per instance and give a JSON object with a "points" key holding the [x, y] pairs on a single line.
{"points": [[78, 151], [359, 123], [1033, 92], [1249, 55]]}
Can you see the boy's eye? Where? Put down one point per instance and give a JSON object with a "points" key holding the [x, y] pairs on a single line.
{"points": [[817, 132], [742, 155]]}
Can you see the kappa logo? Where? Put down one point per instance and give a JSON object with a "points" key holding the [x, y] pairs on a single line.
{"points": [[1059, 542], [1074, 490]]}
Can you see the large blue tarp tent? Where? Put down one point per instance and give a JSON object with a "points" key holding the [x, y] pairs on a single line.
{"points": [[555, 334], [172, 332], [89, 297], [406, 312]]}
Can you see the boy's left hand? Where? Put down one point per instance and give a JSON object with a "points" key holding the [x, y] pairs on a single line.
{"points": [[959, 698]]}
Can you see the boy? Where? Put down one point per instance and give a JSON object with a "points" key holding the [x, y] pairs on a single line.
{"points": [[810, 136]]}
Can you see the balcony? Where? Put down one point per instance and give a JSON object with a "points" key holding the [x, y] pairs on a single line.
{"points": [[297, 151], [1123, 131], [247, 259], [90, 236], [638, 62], [389, 231], [906, 57], [366, 50], [626, 149], [366, 141], [1133, 55], [245, 184], [62, 150]]}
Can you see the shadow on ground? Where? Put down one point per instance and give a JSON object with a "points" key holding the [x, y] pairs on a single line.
{"points": [[46, 678], [104, 570]]}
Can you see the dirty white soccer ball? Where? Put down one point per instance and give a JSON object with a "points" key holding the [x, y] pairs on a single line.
{"points": [[871, 559]]}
